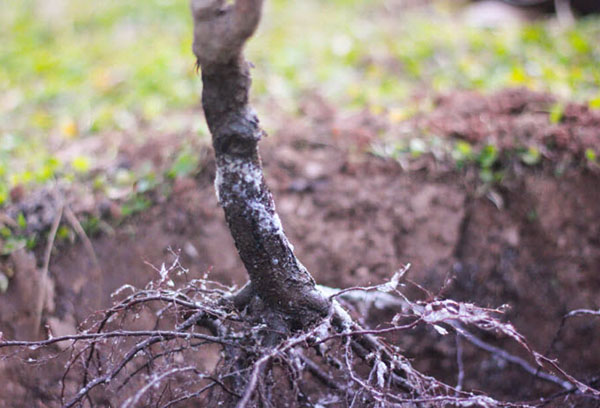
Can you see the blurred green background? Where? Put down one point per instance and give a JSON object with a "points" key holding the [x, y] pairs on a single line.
{"points": [[71, 69]]}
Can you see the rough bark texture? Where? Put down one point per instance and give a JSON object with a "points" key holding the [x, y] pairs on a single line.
{"points": [[276, 276]]}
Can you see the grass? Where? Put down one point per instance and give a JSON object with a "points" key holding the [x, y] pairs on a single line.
{"points": [[72, 69]]}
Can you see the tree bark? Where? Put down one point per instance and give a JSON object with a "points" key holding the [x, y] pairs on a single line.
{"points": [[277, 277]]}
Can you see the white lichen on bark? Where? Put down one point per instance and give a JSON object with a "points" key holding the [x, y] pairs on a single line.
{"points": [[240, 180]]}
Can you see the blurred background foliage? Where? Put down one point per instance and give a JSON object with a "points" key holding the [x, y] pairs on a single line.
{"points": [[70, 69]]}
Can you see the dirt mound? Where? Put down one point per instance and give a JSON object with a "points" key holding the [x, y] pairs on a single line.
{"points": [[355, 219], [517, 118]]}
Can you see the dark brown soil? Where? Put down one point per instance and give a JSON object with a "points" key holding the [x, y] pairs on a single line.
{"points": [[355, 219]]}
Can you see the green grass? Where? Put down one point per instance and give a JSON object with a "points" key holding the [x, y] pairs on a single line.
{"points": [[79, 68]]}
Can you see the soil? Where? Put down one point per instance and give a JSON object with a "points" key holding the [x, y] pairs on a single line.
{"points": [[532, 241]]}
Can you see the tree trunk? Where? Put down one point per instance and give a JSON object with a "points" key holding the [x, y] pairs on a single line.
{"points": [[277, 277]]}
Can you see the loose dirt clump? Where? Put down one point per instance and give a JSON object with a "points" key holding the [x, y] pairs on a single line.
{"points": [[355, 219]]}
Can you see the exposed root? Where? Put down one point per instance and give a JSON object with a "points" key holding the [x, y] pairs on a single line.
{"points": [[161, 361]]}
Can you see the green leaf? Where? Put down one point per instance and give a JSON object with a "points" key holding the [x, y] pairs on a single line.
{"points": [[5, 232], [134, 205], [90, 225], [556, 113], [579, 42], [488, 156], [185, 163], [13, 244], [21, 221], [591, 156], [531, 156], [31, 242], [462, 151], [518, 75], [81, 164], [99, 182], [3, 193], [63, 233]]}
